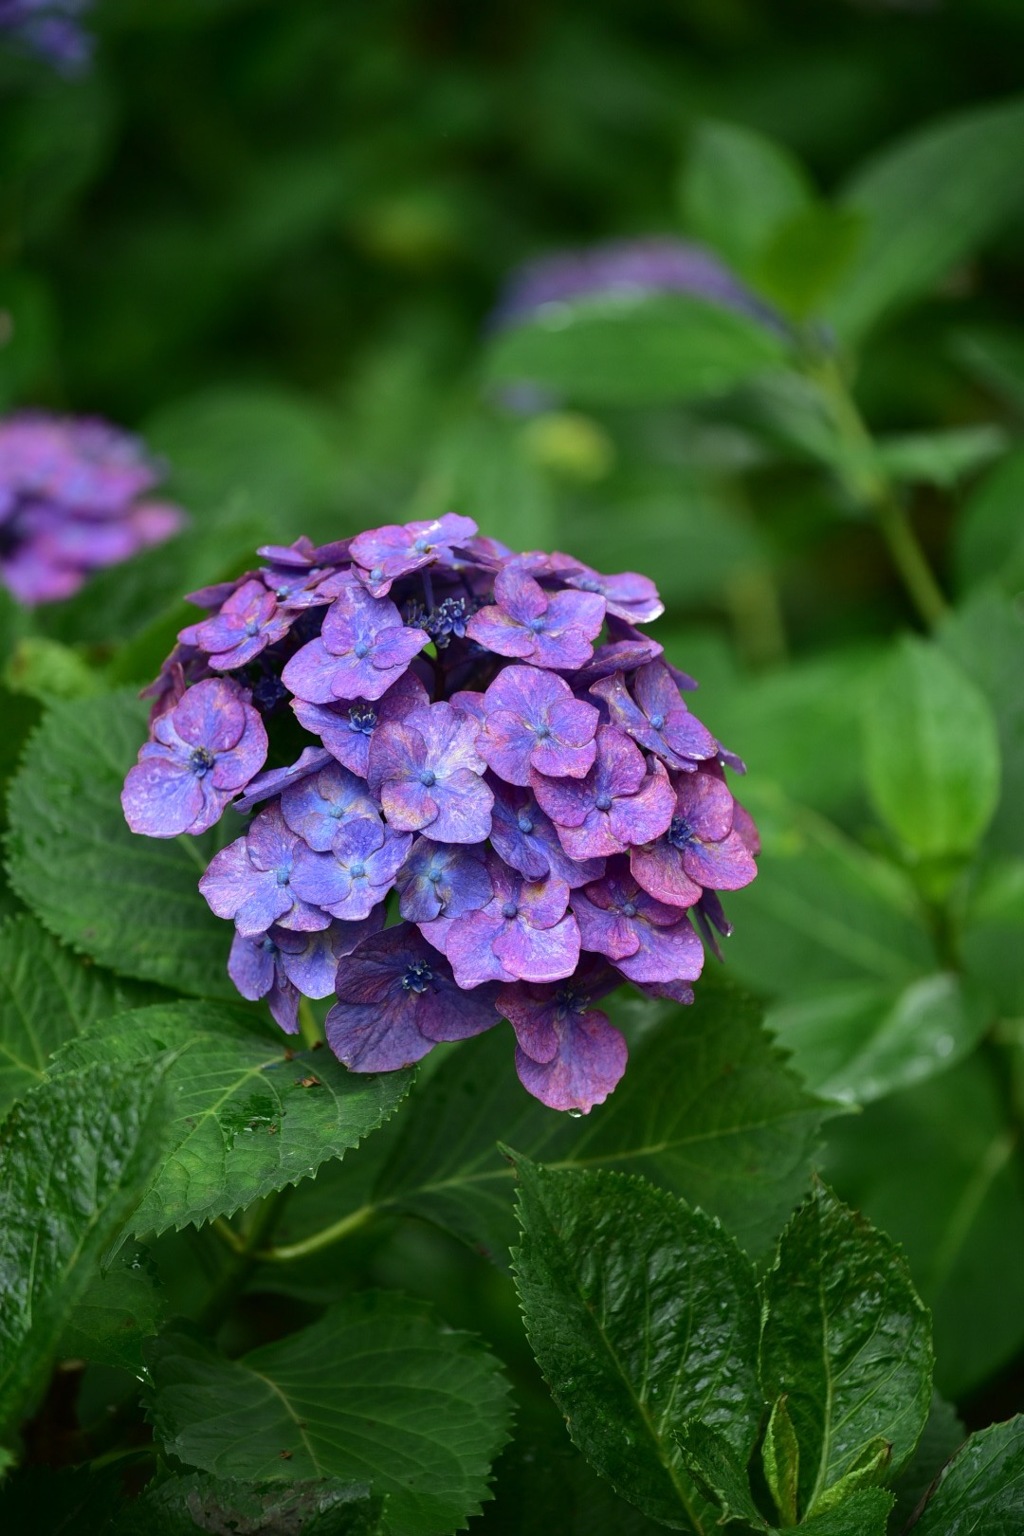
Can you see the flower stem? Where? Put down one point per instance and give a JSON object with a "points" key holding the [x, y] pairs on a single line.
{"points": [[308, 1027], [871, 487], [242, 1261], [287, 1253]]}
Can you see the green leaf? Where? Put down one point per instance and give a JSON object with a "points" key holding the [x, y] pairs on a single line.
{"points": [[935, 1167], [941, 458], [995, 357], [928, 202], [179, 1506], [780, 1456], [982, 1488], [931, 752], [642, 1314], [864, 1513], [707, 1108], [988, 535], [75, 1157], [47, 996], [738, 188], [986, 638], [250, 1114], [122, 1306], [129, 902], [620, 350], [942, 1437], [806, 257], [376, 1391], [823, 909], [870, 1469], [848, 1342], [858, 1042], [717, 1470]]}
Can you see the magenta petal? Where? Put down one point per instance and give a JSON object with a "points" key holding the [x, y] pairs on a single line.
{"points": [[590, 1060], [160, 800], [659, 868], [723, 866]]}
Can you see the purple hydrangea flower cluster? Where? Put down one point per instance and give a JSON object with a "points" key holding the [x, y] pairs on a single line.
{"points": [[50, 29], [74, 496], [628, 269], [491, 800]]}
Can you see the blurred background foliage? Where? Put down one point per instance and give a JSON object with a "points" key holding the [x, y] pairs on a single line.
{"points": [[270, 237]]}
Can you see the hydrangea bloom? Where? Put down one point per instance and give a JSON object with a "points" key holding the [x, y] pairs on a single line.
{"points": [[491, 801], [73, 498], [51, 29]]}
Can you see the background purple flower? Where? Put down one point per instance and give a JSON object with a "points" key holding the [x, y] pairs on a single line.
{"points": [[51, 29], [204, 750], [397, 999], [69, 503], [635, 268]]}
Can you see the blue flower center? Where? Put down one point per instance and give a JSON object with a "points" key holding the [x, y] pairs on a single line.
{"points": [[421, 547], [357, 871], [418, 977], [680, 834], [428, 778], [283, 873], [252, 627], [524, 824], [603, 802], [589, 584], [268, 945], [536, 625], [362, 719], [377, 574], [200, 761], [434, 875], [570, 999], [361, 649], [542, 731], [510, 910], [657, 721], [629, 909]]}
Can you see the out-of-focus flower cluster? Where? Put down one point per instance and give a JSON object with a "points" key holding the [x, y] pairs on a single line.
{"points": [[74, 496], [627, 269], [493, 801], [51, 29]]}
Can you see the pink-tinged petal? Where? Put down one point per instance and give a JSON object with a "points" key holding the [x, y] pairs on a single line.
{"points": [[542, 902], [496, 631], [506, 744], [593, 840], [591, 1059], [539, 954], [743, 825], [211, 714], [519, 595], [646, 815], [726, 865], [604, 931], [659, 868], [464, 803], [706, 805], [159, 800], [395, 648], [665, 955], [309, 674], [469, 947], [567, 804]]}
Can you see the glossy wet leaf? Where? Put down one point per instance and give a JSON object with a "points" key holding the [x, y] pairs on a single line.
{"points": [[848, 1342], [376, 1391], [643, 1314], [250, 1115], [130, 903], [122, 1306], [75, 1158], [982, 1489], [718, 1472], [942, 1437], [47, 996]]}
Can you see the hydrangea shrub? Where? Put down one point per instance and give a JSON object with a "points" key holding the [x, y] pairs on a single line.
{"points": [[488, 798], [75, 496]]}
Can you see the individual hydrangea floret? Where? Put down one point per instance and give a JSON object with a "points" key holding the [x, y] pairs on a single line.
{"points": [[204, 750], [488, 798], [73, 499], [397, 999], [361, 650]]}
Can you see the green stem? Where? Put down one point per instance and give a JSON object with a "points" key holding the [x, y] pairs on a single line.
{"points": [[287, 1253], [243, 1259], [870, 486], [308, 1027]]}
